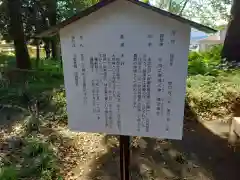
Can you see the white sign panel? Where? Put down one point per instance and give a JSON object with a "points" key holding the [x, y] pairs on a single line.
{"points": [[126, 78]]}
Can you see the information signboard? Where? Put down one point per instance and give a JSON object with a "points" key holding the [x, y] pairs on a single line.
{"points": [[126, 78]]}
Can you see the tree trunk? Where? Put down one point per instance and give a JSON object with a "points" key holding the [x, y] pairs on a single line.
{"points": [[232, 41], [54, 47], [53, 21], [17, 33], [47, 48]]}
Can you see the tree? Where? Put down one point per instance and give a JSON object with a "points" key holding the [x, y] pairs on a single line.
{"points": [[173, 6], [17, 33], [232, 41], [51, 11]]}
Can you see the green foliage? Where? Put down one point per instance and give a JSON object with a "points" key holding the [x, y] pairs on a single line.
{"points": [[59, 99], [209, 87], [205, 63], [39, 160], [7, 60], [208, 12], [8, 173], [38, 84], [207, 92]]}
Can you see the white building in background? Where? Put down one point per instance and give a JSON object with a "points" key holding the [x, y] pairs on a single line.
{"points": [[215, 39], [196, 35]]}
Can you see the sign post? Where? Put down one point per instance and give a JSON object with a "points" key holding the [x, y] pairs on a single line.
{"points": [[124, 157], [125, 70], [125, 67]]}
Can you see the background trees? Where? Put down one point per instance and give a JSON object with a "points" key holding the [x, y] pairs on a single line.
{"points": [[33, 16], [16, 31], [21, 19]]}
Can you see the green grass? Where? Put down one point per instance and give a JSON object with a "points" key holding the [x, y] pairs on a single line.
{"points": [[46, 77], [8, 173], [205, 93], [211, 89], [36, 161]]}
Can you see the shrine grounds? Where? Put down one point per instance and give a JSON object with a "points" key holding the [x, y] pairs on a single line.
{"points": [[37, 145]]}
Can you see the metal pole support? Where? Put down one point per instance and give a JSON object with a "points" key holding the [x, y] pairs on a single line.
{"points": [[124, 157]]}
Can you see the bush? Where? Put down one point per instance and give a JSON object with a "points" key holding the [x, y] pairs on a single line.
{"points": [[207, 92], [39, 160], [7, 60], [205, 63], [59, 99], [8, 173]]}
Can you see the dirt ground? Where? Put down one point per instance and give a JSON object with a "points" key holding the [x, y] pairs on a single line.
{"points": [[200, 155]]}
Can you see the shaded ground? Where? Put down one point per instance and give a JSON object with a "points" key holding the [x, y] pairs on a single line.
{"points": [[46, 150], [201, 155]]}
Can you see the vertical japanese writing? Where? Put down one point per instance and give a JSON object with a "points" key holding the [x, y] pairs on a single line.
{"points": [[150, 36], [109, 69], [84, 85], [172, 37], [100, 63], [91, 63], [96, 64], [73, 41], [104, 67], [96, 98], [122, 40], [118, 92], [172, 42], [76, 78], [168, 114], [81, 41], [149, 81], [75, 74], [142, 80], [171, 60], [173, 33], [110, 92], [139, 90], [106, 104], [169, 92], [144, 88], [160, 88], [75, 60], [135, 80], [161, 39], [114, 76]]}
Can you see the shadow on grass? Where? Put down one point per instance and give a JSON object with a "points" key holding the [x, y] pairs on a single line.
{"points": [[199, 155], [43, 154], [27, 152]]}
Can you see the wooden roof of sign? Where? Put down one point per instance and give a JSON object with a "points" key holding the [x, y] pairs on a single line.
{"points": [[54, 29]]}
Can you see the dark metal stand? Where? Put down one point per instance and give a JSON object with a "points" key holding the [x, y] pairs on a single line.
{"points": [[124, 157]]}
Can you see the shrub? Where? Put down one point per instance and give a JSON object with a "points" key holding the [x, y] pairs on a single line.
{"points": [[205, 63], [59, 99], [8, 173], [207, 92], [39, 160]]}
